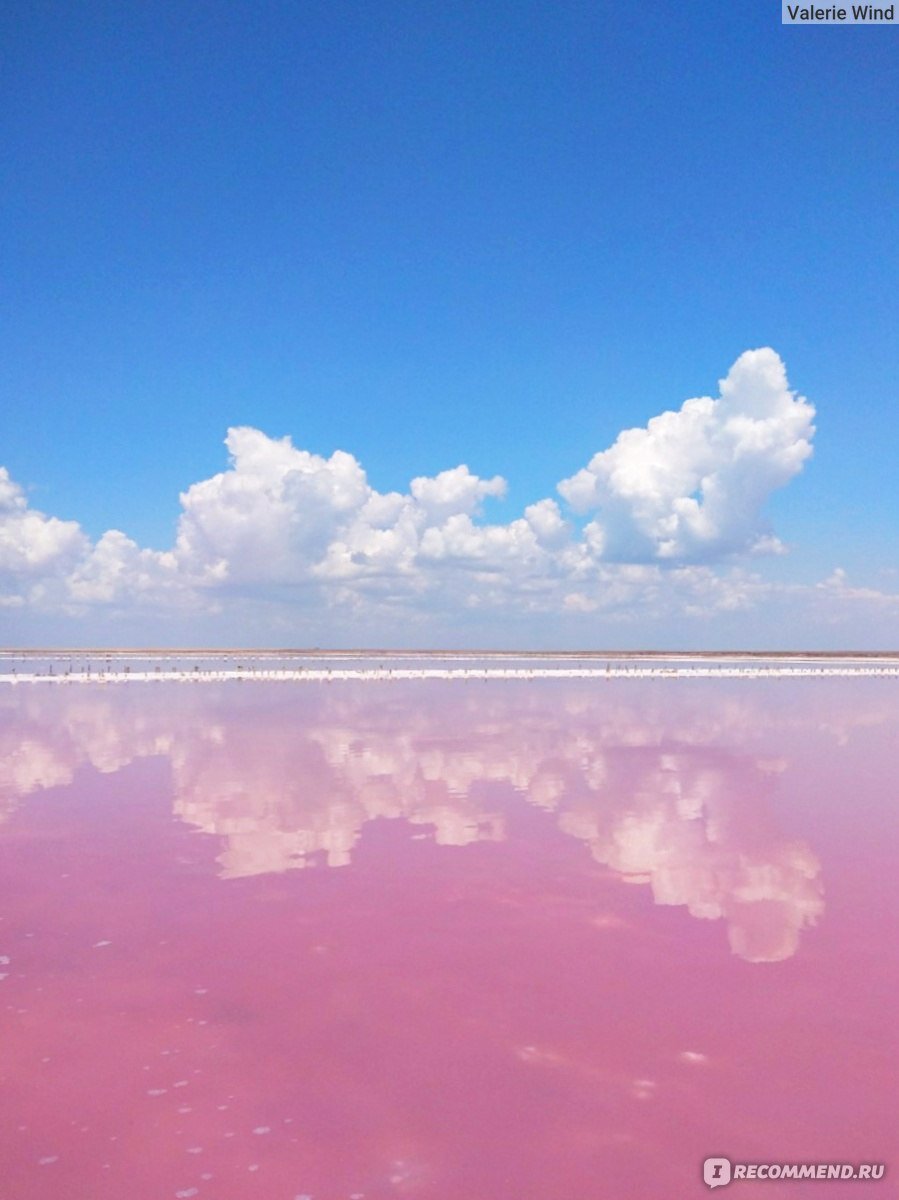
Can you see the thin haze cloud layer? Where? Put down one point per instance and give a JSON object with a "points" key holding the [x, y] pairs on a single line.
{"points": [[659, 522]]}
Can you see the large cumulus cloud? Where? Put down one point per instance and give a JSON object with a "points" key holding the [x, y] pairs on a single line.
{"points": [[36, 551], [659, 523], [692, 484]]}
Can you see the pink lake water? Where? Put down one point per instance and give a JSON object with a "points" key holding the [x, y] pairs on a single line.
{"points": [[446, 941]]}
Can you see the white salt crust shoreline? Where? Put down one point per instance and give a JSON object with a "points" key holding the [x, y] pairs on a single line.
{"points": [[335, 675]]}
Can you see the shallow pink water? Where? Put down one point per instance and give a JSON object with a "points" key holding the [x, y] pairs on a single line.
{"points": [[517, 941]]}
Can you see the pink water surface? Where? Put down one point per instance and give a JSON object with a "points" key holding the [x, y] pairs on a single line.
{"points": [[492, 941]]}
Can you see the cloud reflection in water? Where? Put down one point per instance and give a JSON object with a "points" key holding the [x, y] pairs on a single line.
{"points": [[679, 802]]}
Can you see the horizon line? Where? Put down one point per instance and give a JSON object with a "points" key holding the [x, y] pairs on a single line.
{"points": [[393, 652]]}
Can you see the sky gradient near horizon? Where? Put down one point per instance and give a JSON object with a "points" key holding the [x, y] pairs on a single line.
{"points": [[415, 324]]}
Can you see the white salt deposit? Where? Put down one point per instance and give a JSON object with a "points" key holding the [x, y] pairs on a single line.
{"points": [[300, 668]]}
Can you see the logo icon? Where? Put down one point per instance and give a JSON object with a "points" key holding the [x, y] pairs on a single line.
{"points": [[716, 1172]]}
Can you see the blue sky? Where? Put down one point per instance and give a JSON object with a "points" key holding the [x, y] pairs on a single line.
{"points": [[427, 235]]}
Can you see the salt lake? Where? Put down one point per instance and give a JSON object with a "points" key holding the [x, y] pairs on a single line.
{"points": [[493, 938]]}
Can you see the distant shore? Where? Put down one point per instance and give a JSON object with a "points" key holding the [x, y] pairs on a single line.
{"points": [[197, 665], [387, 653]]}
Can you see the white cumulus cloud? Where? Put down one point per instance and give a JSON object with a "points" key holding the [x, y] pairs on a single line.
{"points": [[36, 551], [660, 524], [692, 484]]}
